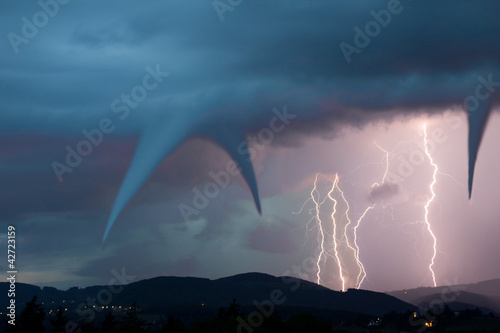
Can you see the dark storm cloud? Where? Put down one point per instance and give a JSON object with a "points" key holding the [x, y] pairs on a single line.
{"points": [[428, 55]]}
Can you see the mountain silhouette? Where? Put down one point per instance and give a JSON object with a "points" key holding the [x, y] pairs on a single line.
{"points": [[160, 293], [483, 295]]}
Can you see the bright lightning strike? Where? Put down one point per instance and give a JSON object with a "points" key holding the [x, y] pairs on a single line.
{"points": [[330, 244], [334, 237], [355, 248], [317, 205], [331, 249], [362, 272], [386, 163], [434, 165]]}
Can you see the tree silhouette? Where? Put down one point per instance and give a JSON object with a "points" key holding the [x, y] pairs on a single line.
{"points": [[226, 321], [109, 323], [30, 320], [132, 322], [89, 327], [307, 322], [232, 311], [174, 325], [59, 324], [272, 324]]}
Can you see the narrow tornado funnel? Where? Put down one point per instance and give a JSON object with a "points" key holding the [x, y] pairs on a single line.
{"points": [[478, 118], [161, 140], [155, 144], [234, 143]]}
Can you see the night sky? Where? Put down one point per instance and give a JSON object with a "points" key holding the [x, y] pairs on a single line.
{"points": [[358, 81]]}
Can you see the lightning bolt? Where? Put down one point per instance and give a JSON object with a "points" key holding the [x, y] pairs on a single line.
{"points": [[362, 273], [335, 193], [386, 163], [428, 203], [355, 248], [334, 237], [317, 205], [315, 198], [433, 195]]}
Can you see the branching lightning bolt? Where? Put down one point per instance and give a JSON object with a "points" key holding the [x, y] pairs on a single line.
{"points": [[362, 272], [334, 237], [335, 193], [355, 248], [433, 195], [317, 205], [352, 245]]}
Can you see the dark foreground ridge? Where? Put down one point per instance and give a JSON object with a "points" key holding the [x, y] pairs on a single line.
{"points": [[483, 295], [167, 292], [249, 301]]}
